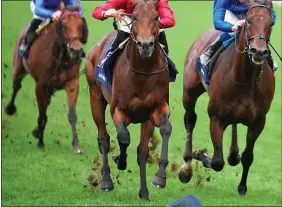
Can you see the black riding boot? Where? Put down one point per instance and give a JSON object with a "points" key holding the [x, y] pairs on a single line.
{"points": [[163, 41], [205, 58], [31, 35], [108, 62]]}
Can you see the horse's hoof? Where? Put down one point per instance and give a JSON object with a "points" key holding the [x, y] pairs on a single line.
{"points": [[35, 133], [40, 146], [10, 109], [78, 150], [144, 196], [242, 190], [234, 160], [106, 185], [185, 174], [120, 165], [217, 165], [159, 181]]}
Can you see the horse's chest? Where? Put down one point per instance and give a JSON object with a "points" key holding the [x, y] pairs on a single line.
{"points": [[139, 108], [238, 111]]}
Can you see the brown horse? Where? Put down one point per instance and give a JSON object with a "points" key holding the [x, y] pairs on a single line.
{"points": [[241, 91], [139, 95], [54, 61]]}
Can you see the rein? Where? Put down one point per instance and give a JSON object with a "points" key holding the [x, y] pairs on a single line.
{"points": [[146, 73]]}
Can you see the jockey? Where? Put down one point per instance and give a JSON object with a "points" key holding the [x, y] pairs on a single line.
{"points": [[106, 10], [43, 11], [228, 17]]}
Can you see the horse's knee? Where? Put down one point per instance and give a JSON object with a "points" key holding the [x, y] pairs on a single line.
{"points": [[138, 155], [247, 158], [72, 117], [123, 134], [104, 144], [190, 120], [165, 128]]}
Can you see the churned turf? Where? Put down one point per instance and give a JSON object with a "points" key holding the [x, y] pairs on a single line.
{"points": [[56, 176]]}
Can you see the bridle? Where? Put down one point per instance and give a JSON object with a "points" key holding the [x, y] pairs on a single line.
{"points": [[247, 38], [66, 42], [69, 41], [247, 46], [132, 36]]}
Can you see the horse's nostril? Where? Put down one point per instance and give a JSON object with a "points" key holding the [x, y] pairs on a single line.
{"points": [[253, 50], [265, 52], [139, 44]]}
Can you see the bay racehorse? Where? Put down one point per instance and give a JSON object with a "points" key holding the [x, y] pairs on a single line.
{"points": [[139, 94], [241, 91], [53, 62]]}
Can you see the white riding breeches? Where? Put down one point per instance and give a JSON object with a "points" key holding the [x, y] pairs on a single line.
{"points": [[233, 18], [126, 28]]}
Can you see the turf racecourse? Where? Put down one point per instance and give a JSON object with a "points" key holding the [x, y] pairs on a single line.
{"points": [[57, 177]]}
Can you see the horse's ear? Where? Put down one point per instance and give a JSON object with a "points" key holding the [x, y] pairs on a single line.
{"points": [[62, 6]]}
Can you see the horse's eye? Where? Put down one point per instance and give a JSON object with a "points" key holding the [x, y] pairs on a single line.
{"points": [[156, 18], [249, 21], [134, 18]]}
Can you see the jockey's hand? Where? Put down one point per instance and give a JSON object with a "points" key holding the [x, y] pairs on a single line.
{"points": [[56, 15], [109, 12], [239, 24]]}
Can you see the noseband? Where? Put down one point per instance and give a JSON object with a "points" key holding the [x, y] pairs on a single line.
{"points": [[247, 38]]}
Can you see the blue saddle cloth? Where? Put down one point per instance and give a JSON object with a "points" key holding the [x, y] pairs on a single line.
{"points": [[104, 72], [202, 70]]}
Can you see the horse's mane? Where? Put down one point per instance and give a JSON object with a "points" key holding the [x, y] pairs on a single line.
{"points": [[267, 3]]}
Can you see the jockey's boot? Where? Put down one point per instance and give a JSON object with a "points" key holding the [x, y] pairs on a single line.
{"points": [[108, 62], [206, 57], [163, 41], [29, 38]]}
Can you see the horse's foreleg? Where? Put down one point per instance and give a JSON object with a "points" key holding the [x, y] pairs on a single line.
{"points": [[190, 118], [161, 119], [216, 130], [147, 130], [98, 107], [72, 89], [19, 74], [120, 121], [43, 96], [247, 156], [234, 156]]}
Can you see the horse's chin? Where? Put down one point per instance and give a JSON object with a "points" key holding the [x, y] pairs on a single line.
{"points": [[257, 60], [146, 54], [75, 56]]}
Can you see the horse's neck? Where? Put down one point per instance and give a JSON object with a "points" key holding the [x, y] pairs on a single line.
{"points": [[143, 65], [245, 71]]}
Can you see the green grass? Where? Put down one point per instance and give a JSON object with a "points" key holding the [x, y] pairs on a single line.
{"points": [[58, 177]]}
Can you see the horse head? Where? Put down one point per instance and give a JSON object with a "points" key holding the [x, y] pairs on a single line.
{"points": [[145, 30], [258, 29], [72, 30]]}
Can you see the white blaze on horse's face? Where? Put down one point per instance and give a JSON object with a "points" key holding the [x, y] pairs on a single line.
{"points": [[145, 27], [258, 30]]}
